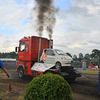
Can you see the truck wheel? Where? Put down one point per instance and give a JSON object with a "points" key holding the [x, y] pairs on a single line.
{"points": [[58, 65], [21, 72]]}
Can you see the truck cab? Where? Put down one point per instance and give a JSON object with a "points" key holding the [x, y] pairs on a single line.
{"points": [[56, 57]]}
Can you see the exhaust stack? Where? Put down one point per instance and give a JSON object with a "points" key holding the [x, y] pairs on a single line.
{"points": [[50, 44], [39, 49]]}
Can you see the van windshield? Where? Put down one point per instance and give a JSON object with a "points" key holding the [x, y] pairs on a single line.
{"points": [[60, 52]]}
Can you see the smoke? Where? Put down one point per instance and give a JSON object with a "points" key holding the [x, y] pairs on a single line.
{"points": [[45, 16]]}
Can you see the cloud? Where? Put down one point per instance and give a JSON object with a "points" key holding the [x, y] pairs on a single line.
{"points": [[13, 14], [76, 10], [87, 2], [76, 30]]}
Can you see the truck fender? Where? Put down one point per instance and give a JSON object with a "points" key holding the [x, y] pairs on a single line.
{"points": [[20, 65]]}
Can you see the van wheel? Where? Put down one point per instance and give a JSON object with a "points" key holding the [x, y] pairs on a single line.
{"points": [[58, 65], [21, 72]]}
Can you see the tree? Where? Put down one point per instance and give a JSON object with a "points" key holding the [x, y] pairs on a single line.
{"points": [[92, 55], [87, 57], [75, 58], [13, 54], [8, 55], [99, 54], [80, 57], [95, 54]]}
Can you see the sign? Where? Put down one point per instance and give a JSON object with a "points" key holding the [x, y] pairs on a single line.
{"points": [[44, 57], [41, 67]]}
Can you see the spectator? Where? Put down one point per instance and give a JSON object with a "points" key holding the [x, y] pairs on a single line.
{"points": [[90, 64], [93, 65], [3, 67]]}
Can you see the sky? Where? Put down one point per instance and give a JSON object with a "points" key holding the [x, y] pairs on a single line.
{"points": [[76, 29]]}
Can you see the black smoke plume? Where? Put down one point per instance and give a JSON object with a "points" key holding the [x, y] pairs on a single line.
{"points": [[45, 16]]}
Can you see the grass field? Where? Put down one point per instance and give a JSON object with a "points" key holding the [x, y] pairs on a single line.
{"points": [[90, 72]]}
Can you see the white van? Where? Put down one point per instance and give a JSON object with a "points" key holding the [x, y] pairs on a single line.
{"points": [[56, 57]]}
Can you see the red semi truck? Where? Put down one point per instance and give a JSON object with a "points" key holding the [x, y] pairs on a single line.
{"points": [[32, 49]]}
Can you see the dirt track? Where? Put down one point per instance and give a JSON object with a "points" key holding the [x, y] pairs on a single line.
{"points": [[83, 88]]}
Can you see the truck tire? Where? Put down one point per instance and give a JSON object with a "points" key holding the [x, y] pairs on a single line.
{"points": [[58, 65], [21, 73]]}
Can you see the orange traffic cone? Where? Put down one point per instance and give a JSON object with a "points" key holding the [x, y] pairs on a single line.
{"points": [[9, 88]]}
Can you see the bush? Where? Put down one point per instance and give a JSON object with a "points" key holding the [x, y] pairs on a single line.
{"points": [[48, 87]]}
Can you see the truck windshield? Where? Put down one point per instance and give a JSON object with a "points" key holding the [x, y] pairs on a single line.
{"points": [[22, 46], [59, 52]]}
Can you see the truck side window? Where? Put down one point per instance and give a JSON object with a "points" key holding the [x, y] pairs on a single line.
{"points": [[22, 46], [50, 52], [26, 48]]}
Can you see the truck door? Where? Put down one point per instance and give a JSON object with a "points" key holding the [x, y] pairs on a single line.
{"points": [[24, 50], [50, 57], [21, 51]]}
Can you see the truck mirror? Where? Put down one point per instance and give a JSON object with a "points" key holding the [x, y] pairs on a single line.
{"points": [[16, 49]]}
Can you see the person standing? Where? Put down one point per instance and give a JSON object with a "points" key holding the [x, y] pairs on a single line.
{"points": [[93, 65], [4, 69], [90, 64]]}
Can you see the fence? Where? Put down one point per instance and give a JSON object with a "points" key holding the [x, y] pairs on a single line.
{"points": [[7, 60], [78, 64]]}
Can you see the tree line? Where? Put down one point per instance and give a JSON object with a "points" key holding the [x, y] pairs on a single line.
{"points": [[94, 56], [8, 55]]}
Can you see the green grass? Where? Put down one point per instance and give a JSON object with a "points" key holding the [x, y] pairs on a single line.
{"points": [[9, 96], [2, 89], [90, 72]]}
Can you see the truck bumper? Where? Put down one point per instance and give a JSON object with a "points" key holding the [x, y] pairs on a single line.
{"points": [[69, 76]]}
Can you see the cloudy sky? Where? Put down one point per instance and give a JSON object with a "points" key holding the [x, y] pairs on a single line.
{"points": [[77, 28]]}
